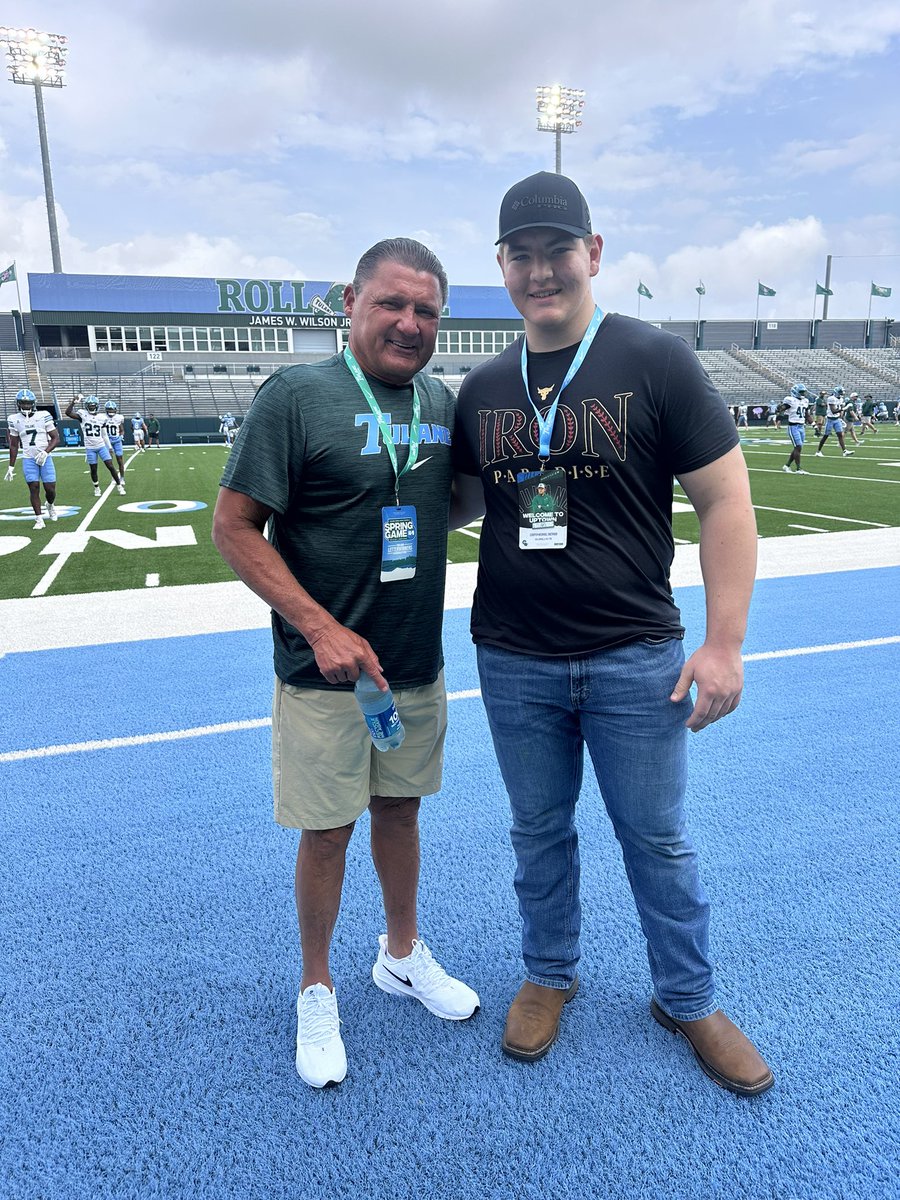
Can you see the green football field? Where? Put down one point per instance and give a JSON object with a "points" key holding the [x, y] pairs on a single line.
{"points": [[159, 534]]}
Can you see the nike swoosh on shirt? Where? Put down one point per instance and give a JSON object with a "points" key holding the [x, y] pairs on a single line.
{"points": [[420, 461]]}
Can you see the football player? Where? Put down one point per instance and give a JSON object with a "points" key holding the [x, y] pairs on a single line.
{"points": [[115, 431], [139, 431], [228, 428], [833, 423], [34, 432], [796, 408], [850, 416], [96, 442]]}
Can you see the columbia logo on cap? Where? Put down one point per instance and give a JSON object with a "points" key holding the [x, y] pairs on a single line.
{"points": [[544, 199]]}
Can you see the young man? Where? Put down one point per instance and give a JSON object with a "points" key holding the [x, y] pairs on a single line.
{"points": [[834, 423], [578, 638], [821, 411], [868, 415], [139, 432], [34, 433], [96, 441], [153, 430], [317, 461], [796, 408], [228, 428], [115, 431], [850, 416]]}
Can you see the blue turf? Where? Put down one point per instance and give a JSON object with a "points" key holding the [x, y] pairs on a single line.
{"points": [[149, 958]]}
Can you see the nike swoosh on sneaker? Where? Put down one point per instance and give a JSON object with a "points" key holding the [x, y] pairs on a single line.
{"points": [[407, 982], [420, 461]]}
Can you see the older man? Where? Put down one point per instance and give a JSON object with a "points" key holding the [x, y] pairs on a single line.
{"points": [[326, 456]]}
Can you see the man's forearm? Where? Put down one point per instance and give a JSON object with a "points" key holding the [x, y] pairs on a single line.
{"points": [[728, 562]]}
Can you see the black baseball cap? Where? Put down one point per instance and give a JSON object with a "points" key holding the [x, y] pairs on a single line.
{"points": [[545, 199]]}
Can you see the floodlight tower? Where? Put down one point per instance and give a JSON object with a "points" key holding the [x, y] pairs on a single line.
{"points": [[558, 111], [39, 59]]}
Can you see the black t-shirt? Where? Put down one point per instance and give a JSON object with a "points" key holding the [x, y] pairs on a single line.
{"points": [[640, 410], [310, 449]]}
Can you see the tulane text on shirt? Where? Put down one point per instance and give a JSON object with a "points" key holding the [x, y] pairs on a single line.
{"points": [[428, 434]]}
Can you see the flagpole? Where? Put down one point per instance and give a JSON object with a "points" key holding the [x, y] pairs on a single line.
{"points": [[815, 294], [639, 305], [757, 304], [869, 315], [19, 298]]}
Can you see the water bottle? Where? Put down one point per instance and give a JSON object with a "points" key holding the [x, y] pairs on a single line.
{"points": [[380, 712]]}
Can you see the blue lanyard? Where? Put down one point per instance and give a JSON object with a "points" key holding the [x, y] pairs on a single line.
{"points": [[545, 424]]}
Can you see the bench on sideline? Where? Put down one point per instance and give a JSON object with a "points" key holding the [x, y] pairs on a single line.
{"points": [[200, 437]]}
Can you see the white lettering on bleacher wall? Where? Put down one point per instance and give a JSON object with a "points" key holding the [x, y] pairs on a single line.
{"points": [[304, 322]]}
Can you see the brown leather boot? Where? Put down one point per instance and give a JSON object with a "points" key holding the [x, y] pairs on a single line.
{"points": [[725, 1054], [532, 1023]]}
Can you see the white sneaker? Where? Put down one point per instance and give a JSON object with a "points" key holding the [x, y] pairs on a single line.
{"points": [[819, 454], [847, 453], [787, 470], [51, 512], [803, 472], [120, 488], [97, 491], [39, 523], [419, 976], [321, 1058]]}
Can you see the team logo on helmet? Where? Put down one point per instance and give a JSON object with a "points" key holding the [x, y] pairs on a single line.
{"points": [[798, 390], [111, 407], [25, 401], [91, 404]]}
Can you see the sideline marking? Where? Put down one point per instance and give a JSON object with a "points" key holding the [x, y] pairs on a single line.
{"points": [[822, 475], [798, 512], [55, 567], [178, 735]]}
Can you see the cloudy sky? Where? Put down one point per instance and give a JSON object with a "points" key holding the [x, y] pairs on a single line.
{"points": [[728, 142]]}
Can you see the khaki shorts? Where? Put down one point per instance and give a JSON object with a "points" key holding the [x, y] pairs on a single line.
{"points": [[324, 766]]}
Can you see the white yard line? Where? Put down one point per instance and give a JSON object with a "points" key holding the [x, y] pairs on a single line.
{"points": [[178, 735], [798, 512], [61, 559], [822, 475]]}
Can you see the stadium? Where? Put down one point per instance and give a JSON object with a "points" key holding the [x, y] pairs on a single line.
{"points": [[150, 951], [190, 349]]}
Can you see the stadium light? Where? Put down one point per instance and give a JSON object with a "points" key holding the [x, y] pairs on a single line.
{"points": [[558, 111], [39, 60]]}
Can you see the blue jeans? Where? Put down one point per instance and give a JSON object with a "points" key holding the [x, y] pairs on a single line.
{"points": [[542, 712]]}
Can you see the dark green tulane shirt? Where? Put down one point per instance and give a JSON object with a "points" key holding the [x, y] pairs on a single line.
{"points": [[310, 450]]}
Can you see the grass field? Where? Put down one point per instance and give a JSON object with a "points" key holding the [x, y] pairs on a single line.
{"points": [[159, 534]]}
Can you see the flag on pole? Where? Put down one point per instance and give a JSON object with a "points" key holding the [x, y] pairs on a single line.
{"points": [[643, 290], [823, 291], [763, 290], [9, 275], [701, 290], [883, 292]]}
